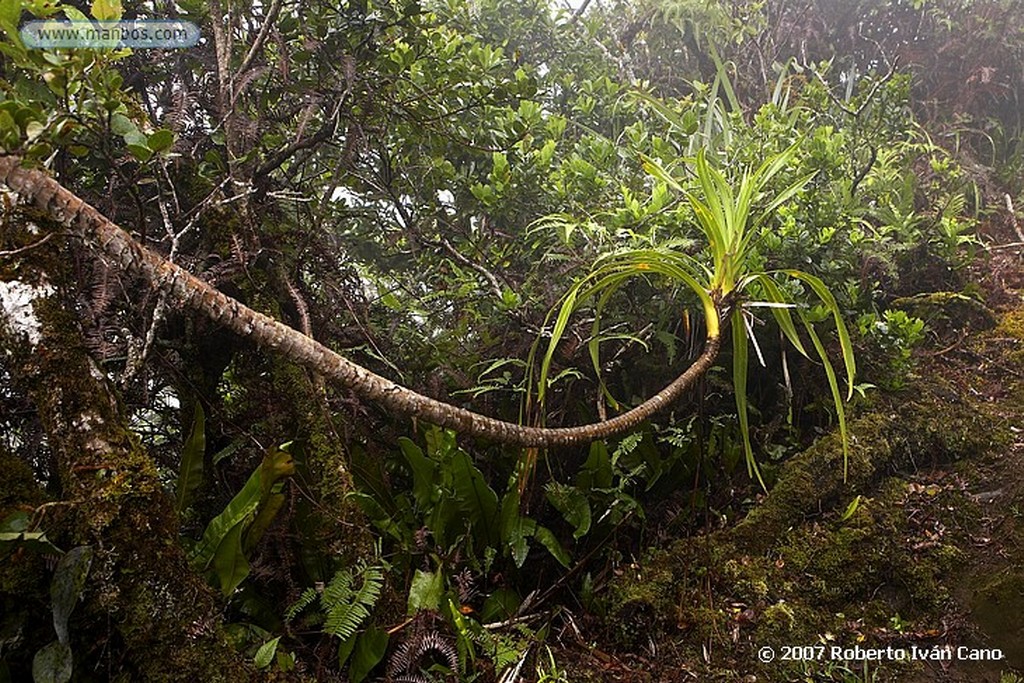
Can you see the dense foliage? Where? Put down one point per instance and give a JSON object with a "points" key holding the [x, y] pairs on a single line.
{"points": [[510, 206]]}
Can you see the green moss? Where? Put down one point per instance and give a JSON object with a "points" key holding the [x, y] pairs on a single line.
{"points": [[794, 571], [931, 423], [948, 310], [1011, 325]]}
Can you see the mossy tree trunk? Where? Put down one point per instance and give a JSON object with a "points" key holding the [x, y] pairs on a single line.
{"points": [[141, 584]]}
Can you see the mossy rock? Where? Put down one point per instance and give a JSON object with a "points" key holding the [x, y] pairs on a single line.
{"points": [[946, 311]]}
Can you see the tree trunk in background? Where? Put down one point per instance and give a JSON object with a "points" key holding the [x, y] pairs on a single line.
{"points": [[141, 586]]}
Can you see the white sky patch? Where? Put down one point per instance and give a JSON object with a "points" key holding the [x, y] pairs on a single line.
{"points": [[16, 308], [343, 193]]}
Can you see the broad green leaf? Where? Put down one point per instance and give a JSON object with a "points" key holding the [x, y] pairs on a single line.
{"points": [[229, 563], [53, 664], [474, 497], [122, 125], [369, 650], [141, 152], [596, 472], [424, 472], [345, 648], [241, 511], [161, 140], [10, 11], [14, 534], [426, 591], [500, 605], [265, 655], [573, 505], [66, 587], [509, 514], [265, 514], [521, 530], [74, 14], [190, 473], [107, 10], [548, 540]]}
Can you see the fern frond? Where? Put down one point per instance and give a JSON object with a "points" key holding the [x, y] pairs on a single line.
{"points": [[346, 607], [304, 601]]}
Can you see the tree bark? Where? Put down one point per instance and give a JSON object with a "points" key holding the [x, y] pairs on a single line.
{"points": [[141, 586], [189, 292]]}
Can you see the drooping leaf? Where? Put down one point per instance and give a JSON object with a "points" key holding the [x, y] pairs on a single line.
{"points": [[241, 511], [229, 563], [833, 385], [66, 587], [846, 346], [369, 650], [474, 497], [548, 540], [190, 473], [424, 472], [739, 387]]}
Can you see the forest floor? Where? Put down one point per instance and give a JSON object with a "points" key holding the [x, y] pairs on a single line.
{"points": [[930, 559]]}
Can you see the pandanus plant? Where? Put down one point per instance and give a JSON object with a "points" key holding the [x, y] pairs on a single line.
{"points": [[731, 217]]}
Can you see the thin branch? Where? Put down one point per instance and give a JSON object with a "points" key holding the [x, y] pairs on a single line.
{"points": [[27, 247], [268, 21], [855, 113]]}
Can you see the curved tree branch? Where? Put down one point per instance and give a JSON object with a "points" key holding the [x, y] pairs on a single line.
{"points": [[189, 292]]}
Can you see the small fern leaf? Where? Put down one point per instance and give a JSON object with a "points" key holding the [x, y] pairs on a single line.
{"points": [[304, 601]]}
